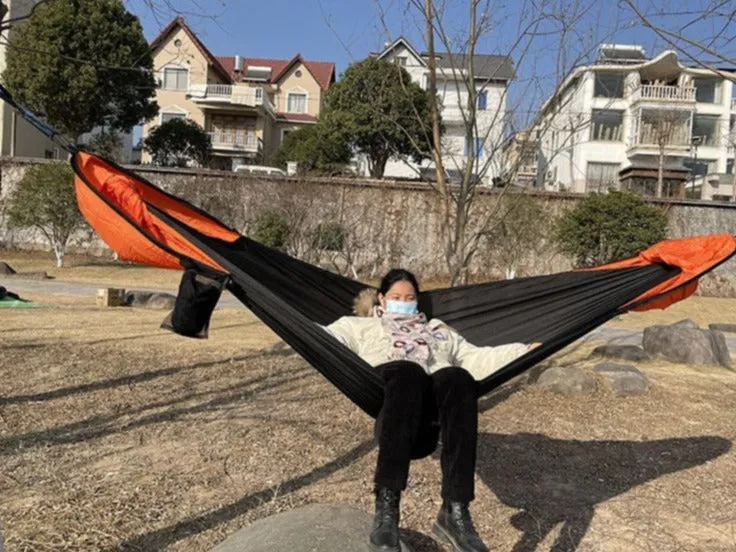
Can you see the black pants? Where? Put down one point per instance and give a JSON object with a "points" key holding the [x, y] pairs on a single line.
{"points": [[416, 407]]}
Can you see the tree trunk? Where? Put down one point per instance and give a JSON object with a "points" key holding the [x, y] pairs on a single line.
{"points": [[59, 252], [378, 165], [660, 172]]}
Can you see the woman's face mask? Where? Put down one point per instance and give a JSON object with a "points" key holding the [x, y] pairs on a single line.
{"points": [[402, 307]]}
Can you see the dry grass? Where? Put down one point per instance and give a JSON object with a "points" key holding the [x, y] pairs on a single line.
{"points": [[118, 436]]}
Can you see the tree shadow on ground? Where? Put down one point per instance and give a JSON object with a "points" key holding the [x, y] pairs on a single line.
{"points": [[165, 537], [125, 381], [101, 426], [553, 481]]}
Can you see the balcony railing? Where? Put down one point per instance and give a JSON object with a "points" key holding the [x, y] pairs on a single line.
{"points": [[235, 141], [225, 93], [663, 93]]}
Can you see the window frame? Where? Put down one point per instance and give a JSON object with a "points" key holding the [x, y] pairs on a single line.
{"points": [[600, 181], [483, 100], [597, 75], [593, 137], [177, 69], [302, 93]]}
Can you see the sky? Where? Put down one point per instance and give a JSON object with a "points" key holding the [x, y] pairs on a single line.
{"points": [[344, 31]]}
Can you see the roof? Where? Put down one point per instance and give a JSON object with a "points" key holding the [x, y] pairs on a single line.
{"points": [[296, 117], [179, 23], [484, 65], [401, 41], [322, 71]]}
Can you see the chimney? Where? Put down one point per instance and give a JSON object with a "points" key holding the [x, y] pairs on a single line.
{"points": [[238, 64]]}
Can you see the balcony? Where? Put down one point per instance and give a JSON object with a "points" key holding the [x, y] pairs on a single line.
{"points": [[227, 95], [663, 93], [236, 142]]}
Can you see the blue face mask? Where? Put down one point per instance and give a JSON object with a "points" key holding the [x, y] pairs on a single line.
{"points": [[402, 307]]}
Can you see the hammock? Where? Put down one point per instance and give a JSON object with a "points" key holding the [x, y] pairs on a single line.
{"points": [[146, 225]]}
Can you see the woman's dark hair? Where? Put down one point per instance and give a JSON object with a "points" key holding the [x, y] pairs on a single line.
{"points": [[397, 275]]}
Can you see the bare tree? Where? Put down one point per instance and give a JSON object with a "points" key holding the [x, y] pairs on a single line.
{"points": [[664, 128], [464, 224]]}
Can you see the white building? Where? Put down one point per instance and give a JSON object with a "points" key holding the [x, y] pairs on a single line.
{"points": [[492, 76], [607, 123]]}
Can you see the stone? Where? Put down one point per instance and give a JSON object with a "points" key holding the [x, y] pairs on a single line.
{"points": [[729, 328], [313, 528], [161, 301], [110, 297], [631, 353], [686, 323], [6, 270], [625, 380], [150, 300], [687, 345], [568, 381]]}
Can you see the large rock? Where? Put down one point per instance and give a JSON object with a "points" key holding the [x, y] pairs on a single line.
{"points": [[150, 300], [687, 345], [625, 380], [730, 328], [632, 353], [686, 323], [568, 381], [6, 270], [313, 528]]}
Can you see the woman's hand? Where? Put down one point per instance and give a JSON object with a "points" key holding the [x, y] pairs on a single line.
{"points": [[533, 346]]}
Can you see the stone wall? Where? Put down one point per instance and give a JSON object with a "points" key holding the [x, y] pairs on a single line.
{"points": [[386, 223]]}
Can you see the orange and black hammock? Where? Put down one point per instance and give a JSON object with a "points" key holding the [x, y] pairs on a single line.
{"points": [[144, 224]]}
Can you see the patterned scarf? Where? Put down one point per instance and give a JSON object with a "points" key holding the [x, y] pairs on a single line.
{"points": [[411, 337]]}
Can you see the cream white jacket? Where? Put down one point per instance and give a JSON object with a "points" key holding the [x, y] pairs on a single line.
{"points": [[367, 338]]}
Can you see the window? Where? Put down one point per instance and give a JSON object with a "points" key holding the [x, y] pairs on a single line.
{"points": [[707, 127], [600, 177], [166, 117], [401, 61], [478, 147], [296, 103], [284, 133], [707, 90], [482, 100], [298, 73], [609, 85], [702, 167], [729, 166], [176, 78], [607, 125]]}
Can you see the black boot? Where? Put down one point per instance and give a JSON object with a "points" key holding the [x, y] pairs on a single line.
{"points": [[455, 526], [385, 534]]}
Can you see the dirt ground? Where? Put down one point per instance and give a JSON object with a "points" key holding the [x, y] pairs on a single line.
{"points": [[118, 436]]}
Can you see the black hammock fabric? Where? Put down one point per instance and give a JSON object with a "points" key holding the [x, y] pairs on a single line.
{"points": [[293, 298]]}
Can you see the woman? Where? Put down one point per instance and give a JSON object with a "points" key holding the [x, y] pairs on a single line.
{"points": [[430, 375]]}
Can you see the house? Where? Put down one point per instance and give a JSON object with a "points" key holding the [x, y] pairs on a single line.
{"points": [[17, 137], [247, 105], [611, 123], [520, 153], [491, 79]]}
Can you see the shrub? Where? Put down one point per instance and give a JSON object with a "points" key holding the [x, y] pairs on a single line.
{"points": [[603, 228], [45, 200], [330, 236], [271, 229]]}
